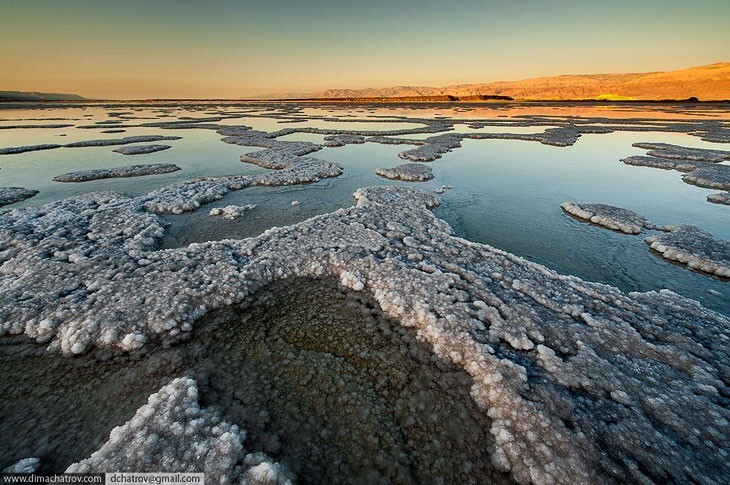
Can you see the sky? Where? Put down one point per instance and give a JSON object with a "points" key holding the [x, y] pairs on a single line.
{"points": [[139, 49]]}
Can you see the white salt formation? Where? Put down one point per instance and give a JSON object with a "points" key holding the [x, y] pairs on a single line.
{"points": [[411, 172], [285, 158], [561, 137], [117, 172], [26, 465], [31, 148], [666, 150], [567, 381], [10, 195], [694, 247], [442, 189], [121, 141], [721, 198], [342, 140], [89, 143], [231, 211], [141, 149], [384, 140], [702, 166], [715, 135], [33, 127], [172, 432], [702, 174], [432, 148], [609, 216]]}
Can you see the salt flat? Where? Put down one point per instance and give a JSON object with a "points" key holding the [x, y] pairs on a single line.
{"points": [[360, 327]]}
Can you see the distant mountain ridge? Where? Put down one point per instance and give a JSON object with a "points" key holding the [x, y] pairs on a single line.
{"points": [[34, 96], [707, 83]]}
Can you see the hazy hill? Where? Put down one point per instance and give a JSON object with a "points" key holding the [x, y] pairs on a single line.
{"points": [[33, 96], [711, 82]]}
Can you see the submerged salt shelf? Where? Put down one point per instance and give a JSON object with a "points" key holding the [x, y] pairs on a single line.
{"points": [[425, 355]]}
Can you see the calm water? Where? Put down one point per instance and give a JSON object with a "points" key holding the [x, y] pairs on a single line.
{"points": [[505, 193]]}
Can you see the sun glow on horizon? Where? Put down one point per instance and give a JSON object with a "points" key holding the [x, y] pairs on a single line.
{"points": [[228, 49]]}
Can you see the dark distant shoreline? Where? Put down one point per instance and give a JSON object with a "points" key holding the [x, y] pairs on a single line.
{"points": [[435, 100]]}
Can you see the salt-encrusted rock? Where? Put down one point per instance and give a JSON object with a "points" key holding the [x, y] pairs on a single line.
{"points": [[412, 172], [342, 140], [33, 127], [31, 148], [615, 218], [141, 149], [676, 152], [385, 140], [432, 148], [186, 196], [694, 247], [10, 195], [231, 211], [430, 125], [716, 135], [286, 159], [664, 163], [278, 154], [578, 382], [565, 136], [121, 141], [26, 465], [442, 189], [173, 433], [126, 171], [560, 137], [353, 280], [710, 175], [721, 198]]}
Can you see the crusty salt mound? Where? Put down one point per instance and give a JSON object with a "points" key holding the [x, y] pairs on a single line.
{"points": [[702, 174], [609, 216], [121, 141], [694, 247], [702, 166], [560, 137], [666, 150], [568, 381], [10, 195], [172, 432], [117, 172], [411, 172], [30, 148], [432, 148], [715, 135], [26, 465], [141, 149], [187, 196], [89, 143], [33, 127], [231, 211], [342, 140], [286, 159], [721, 198]]}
